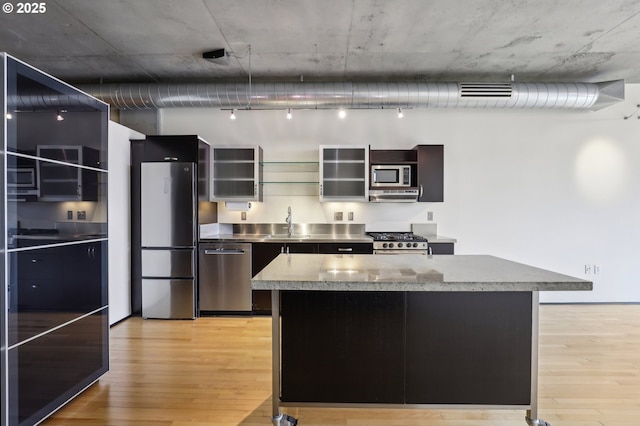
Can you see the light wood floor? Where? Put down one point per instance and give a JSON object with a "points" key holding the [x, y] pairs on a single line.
{"points": [[217, 371]]}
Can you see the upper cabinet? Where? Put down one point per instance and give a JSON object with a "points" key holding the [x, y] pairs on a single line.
{"points": [[236, 173], [58, 181], [430, 173], [344, 173]]}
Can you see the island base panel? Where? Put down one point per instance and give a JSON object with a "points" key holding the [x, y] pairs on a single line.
{"points": [[343, 347], [469, 348], [453, 348]]}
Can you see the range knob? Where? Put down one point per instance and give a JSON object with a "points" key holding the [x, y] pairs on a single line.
{"points": [[415, 244], [390, 245], [384, 245], [399, 244]]}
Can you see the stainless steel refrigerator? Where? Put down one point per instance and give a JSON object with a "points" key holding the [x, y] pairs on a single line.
{"points": [[169, 202]]}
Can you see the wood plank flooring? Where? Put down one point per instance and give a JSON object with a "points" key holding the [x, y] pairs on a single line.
{"points": [[217, 371]]}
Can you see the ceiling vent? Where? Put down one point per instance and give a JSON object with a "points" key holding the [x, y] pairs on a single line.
{"points": [[485, 90]]}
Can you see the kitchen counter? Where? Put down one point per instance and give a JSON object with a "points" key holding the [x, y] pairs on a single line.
{"points": [[319, 272], [410, 331], [277, 238]]}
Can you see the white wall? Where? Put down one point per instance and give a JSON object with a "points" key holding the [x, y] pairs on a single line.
{"points": [[119, 212], [554, 189]]}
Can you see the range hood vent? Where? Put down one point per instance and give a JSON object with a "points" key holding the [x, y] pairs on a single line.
{"points": [[361, 95], [485, 90]]}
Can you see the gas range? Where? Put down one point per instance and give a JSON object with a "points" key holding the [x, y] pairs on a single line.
{"points": [[398, 243]]}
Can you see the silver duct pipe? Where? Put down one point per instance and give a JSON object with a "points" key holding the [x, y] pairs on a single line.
{"points": [[585, 96]]}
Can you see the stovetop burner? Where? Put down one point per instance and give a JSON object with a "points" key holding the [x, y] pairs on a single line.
{"points": [[396, 236], [396, 242]]}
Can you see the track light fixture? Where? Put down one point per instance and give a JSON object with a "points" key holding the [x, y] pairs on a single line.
{"points": [[400, 114], [233, 114], [342, 113], [60, 117], [289, 116]]}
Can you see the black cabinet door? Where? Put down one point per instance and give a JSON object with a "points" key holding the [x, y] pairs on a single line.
{"points": [[261, 255], [441, 248], [342, 347], [468, 348], [431, 172], [345, 248]]}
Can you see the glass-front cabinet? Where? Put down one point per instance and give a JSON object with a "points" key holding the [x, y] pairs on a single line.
{"points": [[236, 173], [54, 334], [344, 173]]}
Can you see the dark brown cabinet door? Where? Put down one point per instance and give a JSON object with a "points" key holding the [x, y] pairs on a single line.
{"points": [[441, 248], [342, 347], [468, 348], [261, 255], [345, 248], [431, 172]]}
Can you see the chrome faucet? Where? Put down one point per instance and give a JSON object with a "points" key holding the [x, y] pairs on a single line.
{"points": [[289, 222]]}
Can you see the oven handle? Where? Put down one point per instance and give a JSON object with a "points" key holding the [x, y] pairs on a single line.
{"points": [[392, 251], [345, 249]]}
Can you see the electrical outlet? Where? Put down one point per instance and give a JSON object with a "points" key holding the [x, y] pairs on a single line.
{"points": [[596, 269], [69, 215], [82, 215], [587, 269], [337, 216], [429, 215], [243, 216], [350, 216]]}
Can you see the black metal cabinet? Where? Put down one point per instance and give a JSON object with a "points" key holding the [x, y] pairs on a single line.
{"points": [[430, 172]]}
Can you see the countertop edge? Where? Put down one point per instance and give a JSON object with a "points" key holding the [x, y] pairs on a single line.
{"points": [[421, 287]]}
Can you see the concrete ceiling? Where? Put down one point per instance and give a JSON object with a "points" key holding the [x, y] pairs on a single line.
{"points": [[89, 41]]}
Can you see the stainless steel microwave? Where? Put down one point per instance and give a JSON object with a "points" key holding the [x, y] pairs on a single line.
{"points": [[21, 177], [390, 175]]}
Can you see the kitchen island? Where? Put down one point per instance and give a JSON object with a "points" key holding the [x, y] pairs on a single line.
{"points": [[413, 330]]}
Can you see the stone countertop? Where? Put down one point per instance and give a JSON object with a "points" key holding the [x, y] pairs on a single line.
{"points": [[283, 238], [330, 272]]}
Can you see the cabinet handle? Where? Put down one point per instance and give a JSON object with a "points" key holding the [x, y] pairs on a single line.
{"points": [[421, 191], [430, 251], [345, 249], [287, 249], [170, 158], [282, 249]]}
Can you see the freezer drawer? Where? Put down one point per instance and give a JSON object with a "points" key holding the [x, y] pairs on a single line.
{"points": [[168, 263], [224, 277], [168, 298]]}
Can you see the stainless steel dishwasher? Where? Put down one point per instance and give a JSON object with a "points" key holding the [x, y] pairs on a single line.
{"points": [[224, 277]]}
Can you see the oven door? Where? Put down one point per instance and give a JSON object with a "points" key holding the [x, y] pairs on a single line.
{"points": [[399, 251]]}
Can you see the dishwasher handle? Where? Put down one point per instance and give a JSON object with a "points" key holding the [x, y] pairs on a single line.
{"points": [[224, 251]]}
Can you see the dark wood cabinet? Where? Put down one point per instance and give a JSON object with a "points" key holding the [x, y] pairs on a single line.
{"points": [[481, 343], [344, 347], [261, 255], [430, 172], [345, 248], [406, 347], [441, 248]]}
